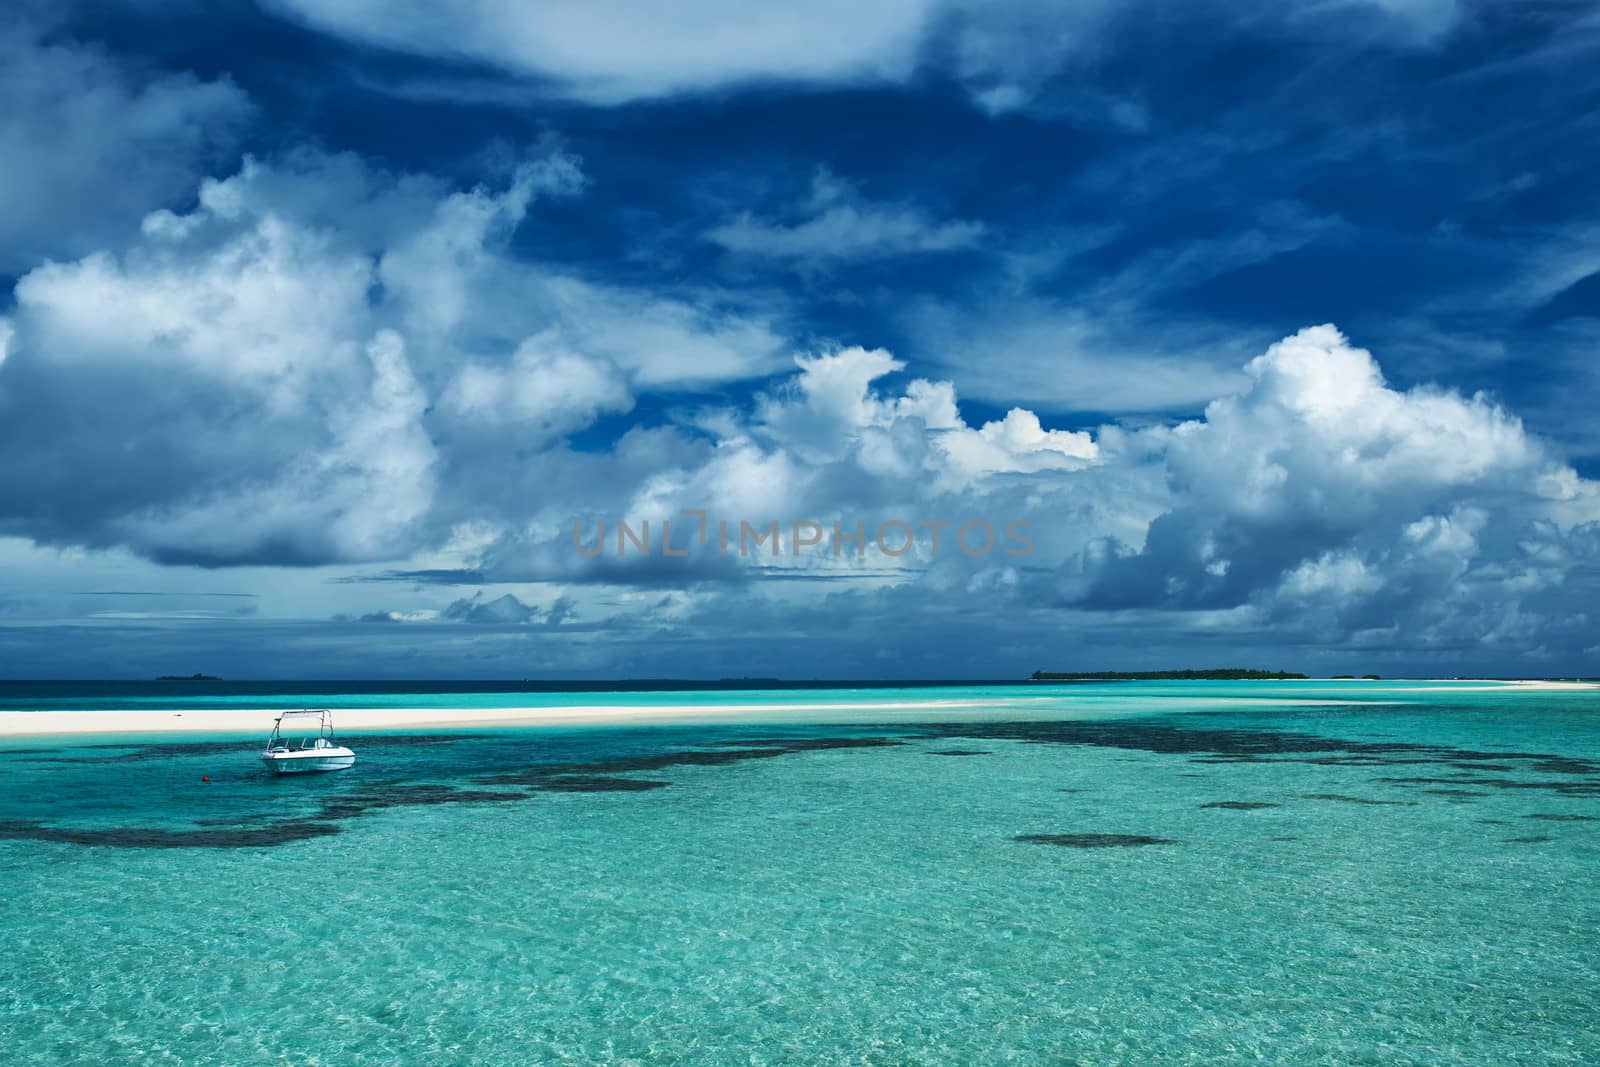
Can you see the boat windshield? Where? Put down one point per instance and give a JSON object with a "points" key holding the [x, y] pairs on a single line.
{"points": [[295, 743]]}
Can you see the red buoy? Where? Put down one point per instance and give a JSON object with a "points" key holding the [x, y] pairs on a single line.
{"points": [[205, 778]]}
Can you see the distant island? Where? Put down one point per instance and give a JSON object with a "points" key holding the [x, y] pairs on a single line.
{"points": [[188, 678], [1221, 675]]}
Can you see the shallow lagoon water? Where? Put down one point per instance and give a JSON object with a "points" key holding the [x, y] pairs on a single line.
{"points": [[1113, 874]]}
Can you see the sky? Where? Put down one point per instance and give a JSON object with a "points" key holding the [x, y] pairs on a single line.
{"points": [[1128, 335]]}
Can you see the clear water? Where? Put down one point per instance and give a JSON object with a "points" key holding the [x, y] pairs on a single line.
{"points": [[795, 890]]}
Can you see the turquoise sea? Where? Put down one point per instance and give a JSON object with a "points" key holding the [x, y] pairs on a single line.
{"points": [[1299, 873]]}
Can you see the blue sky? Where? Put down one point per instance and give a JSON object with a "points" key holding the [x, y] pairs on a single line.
{"points": [[1275, 323]]}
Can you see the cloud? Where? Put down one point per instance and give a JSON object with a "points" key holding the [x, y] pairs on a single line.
{"points": [[835, 224], [1017, 444], [93, 144], [319, 369], [546, 390], [257, 410], [640, 49], [831, 412], [830, 441], [1079, 336], [1078, 357], [1321, 484], [563, 610], [323, 362], [436, 270], [691, 341], [1319, 515], [1318, 506], [1316, 502], [504, 610], [1004, 51], [283, 374]]}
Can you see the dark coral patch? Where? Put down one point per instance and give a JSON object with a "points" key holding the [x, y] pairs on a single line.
{"points": [[1561, 765], [1565, 818], [717, 754], [1357, 800], [242, 820], [1209, 746], [597, 783], [406, 795], [1537, 839], [278, 833], [1241, 805], [1585, 788], [1093, 840], [712, 756], [600, 776], [807, 744], [958, 752]]}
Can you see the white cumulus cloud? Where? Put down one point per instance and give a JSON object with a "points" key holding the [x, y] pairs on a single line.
{"points": [[1320, 478], [278, 374]]}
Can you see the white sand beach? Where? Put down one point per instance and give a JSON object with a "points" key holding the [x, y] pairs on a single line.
{"points": [[1480, 684], [259, 720]]}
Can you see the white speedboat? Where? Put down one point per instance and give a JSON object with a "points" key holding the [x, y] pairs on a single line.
{"points": [[302, 742]]}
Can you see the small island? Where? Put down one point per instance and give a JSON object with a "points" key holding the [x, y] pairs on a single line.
{"points": [[1226, 674], [188, 678]]}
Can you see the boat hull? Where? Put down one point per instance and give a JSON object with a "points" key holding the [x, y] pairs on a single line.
{"points": [[308, 763]]}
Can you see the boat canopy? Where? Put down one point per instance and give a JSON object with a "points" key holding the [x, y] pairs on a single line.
{"points": [[301, 723]]}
